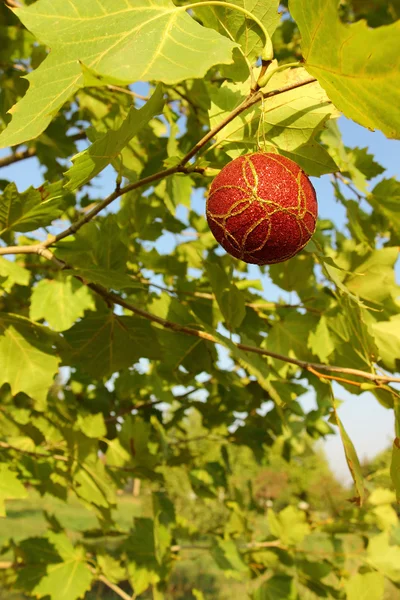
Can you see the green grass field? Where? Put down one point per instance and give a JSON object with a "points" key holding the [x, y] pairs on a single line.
{"points": [[25, 518]]}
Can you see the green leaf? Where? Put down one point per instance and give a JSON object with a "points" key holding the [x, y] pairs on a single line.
{"points": [[111, 568], [289, 525], [60, 301], [353, 63], [387, 339], [385, 199], [367, 586], [141, 41], [68, 580], [384, 557], [116, 454], [313, 159], [92, 484], [348, 322], [98, 245], [164, 521], [227, 557], [320, 341], [26, 211], [352, 461], [289, 337], [10, 487], [92, 426], [175, 190], [13, 274], [105, 344], [295, 274], [287, 121], [140, 546], [109, 279], [179, 349], [93, 160], [27, 356], [142, 577], [236, 26], [395, 467], [229, 298], [381, 496], [364, 162], [135, 436], [278, 587], [374, 279], [253, 363]]}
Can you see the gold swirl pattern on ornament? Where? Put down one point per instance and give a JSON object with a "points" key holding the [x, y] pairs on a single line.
{"points": [[251, 194]]}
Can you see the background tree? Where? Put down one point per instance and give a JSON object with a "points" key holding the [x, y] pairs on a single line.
{"points": [[120, 362]]}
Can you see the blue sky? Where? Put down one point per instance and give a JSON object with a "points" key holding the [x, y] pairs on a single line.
{"points": [[370, 426]]}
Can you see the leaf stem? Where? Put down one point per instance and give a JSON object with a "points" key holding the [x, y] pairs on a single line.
{"points": [[115, 588], [265, 78], [30, 152]]}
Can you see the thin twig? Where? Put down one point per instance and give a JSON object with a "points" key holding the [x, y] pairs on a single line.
{"points": [[17, 156], [115, 299], [42, 250], [348, 184], [271, 305], [246, 547], [252, 99], [118, 192], [7, 446], [30, 152], [340, 379], [180, 168], [12, 4], [117, 88], [207, 296], [115, 588], [112, 298], [145, 405]]}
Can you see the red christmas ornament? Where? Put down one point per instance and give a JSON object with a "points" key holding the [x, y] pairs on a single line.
{"points": [[262, 208]]}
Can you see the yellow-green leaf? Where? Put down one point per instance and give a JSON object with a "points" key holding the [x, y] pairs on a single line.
{"points": [[89, 162], [10, 487], [139, 40], [27, 357], [355, 64], [60, 302], [395, 467], [352, 461]]}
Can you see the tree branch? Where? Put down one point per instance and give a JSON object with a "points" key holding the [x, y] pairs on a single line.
{"points": [[17, 156], [246, 547], [115, 588], [42, 250], [122, 90], [30, 152], [60, 457], [308, 366], [252, 99], [112, 298]]}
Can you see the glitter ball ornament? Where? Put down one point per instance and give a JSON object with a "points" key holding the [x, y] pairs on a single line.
{"points": [[262, 208]]}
